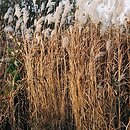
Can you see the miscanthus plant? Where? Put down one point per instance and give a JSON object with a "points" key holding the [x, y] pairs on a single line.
{"points": [[38, 18], [75, 63], [46, 17]]}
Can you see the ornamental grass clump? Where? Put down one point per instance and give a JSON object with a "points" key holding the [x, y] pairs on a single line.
{"points": [[69, 66], [81, 71]]}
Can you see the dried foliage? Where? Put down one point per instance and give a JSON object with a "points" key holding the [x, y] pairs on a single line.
{"points": [[74, 76]]}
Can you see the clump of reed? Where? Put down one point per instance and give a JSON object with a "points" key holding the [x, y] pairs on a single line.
{"points": [[78, 78], [64, 66]]}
